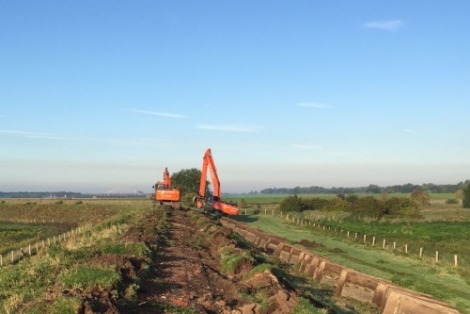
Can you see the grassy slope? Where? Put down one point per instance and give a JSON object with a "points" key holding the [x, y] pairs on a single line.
{"points": [[442, 282]]}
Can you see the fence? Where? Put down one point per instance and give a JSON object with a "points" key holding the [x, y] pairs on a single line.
{"points": [[435, 257], [33, 249]]}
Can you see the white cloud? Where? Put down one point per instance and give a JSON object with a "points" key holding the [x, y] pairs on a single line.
{"points": [[156, 113], [385, 25], [230, 128], [37, 135], [315, 105]]}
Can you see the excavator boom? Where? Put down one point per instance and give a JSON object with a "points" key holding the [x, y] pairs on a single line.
{"points": [[214, 203]]}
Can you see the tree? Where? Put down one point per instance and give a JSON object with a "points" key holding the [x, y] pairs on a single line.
{"points": [[466, 197], [420, 197], [187, 180], [373, 188]]}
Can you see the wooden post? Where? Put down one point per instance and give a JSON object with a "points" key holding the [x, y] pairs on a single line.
{"points": [[48, 241], [245, 211], [12, 256], [383, 243], [59, 237], [355, 235], [1, 260], [348, 234], [406, 248], [420, 252], [394, 245], [437, 257], [265, 211], [29, 249], [456, 264], [373, 241], [365, 238]]}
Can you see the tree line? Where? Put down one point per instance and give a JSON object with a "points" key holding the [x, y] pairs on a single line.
{"points": [[372, 188]]}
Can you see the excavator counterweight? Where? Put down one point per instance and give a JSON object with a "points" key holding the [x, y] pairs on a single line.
{"points": [[164, 194]]}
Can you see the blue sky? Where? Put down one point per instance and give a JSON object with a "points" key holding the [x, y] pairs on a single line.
{"points": [[102, 95]]}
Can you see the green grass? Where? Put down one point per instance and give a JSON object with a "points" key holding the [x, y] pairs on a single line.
{"points": [[440, 281], [138, 249], [85, 278]]}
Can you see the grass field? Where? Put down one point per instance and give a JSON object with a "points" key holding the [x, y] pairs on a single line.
{"points": [[277, 198], [441, 281]]}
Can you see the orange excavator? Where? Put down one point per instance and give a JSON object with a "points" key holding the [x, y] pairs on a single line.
{"points": [[164, 194], [212, 203]]}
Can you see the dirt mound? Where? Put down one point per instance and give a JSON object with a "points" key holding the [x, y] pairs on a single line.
{"points": [[269, 295], [309, 244]]}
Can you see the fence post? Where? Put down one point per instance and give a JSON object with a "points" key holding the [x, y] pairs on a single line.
{"points": [[373, 241], [365, 238], [29, 249], [394, 245], [383, 244], [406, 248], [437, 257], [265, 211], [455, 261], [420, 252], [1, 260], [12, 257], [355, 235]]}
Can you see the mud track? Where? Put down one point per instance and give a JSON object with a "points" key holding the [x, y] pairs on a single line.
{"points": [[197, 265]]}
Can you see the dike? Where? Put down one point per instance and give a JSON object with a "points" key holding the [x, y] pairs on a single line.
{"points": [[385, 295]]}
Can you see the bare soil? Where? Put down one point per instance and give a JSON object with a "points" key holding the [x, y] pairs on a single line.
{"points": [[188, 274]]}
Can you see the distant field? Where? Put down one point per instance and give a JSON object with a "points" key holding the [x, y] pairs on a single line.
{"points": [[277, 198]]}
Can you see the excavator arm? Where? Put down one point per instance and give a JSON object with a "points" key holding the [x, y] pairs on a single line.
{"points": [[215, 204], [208, 162]]}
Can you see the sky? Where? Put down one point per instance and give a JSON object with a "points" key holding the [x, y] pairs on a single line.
{"points": [[100, 96]]}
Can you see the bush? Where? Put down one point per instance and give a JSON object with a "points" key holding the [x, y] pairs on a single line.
{"points": [[452, 201], [292, 204], [466, 197]]}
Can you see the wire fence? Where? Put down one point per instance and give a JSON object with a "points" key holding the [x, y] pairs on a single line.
{"points": [[31, 249]]}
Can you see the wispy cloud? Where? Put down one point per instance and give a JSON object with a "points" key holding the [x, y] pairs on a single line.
{"points": [[385, 25], [230, 128], [157, 113], [37, 135], [315, 105]]}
